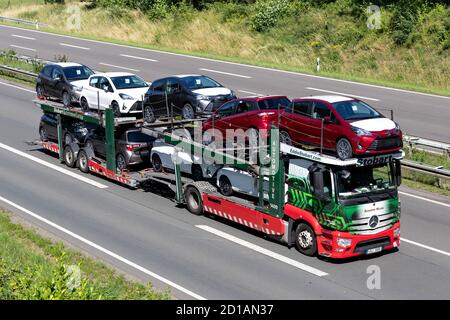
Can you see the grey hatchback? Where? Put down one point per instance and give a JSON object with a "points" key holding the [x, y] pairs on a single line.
{"points": [[132, 146]]}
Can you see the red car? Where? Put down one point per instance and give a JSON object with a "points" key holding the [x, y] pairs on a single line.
{"points": [[351, 127], [250, 113]]}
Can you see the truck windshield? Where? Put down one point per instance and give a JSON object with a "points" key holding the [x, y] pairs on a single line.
{"points": [[365, 181]]}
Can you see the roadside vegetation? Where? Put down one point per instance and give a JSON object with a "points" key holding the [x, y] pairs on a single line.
{"points": [[33, 267], [409, 48]]}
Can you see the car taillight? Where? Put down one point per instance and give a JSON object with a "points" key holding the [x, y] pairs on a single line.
{"points": [[134, 146]]}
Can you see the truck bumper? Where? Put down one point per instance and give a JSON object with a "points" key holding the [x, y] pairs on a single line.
{"points": [[360, 244]]}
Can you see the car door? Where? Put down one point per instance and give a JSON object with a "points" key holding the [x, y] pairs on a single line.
{"points": [[239, 122], [157, 97], [174, 96], [91, 92], [222, 120], [106, 93], [46, 79], [296, 120], [56, 83], [330, 130]]}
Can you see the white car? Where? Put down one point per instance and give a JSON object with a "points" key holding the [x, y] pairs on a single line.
{"points": [[122, 92], [162, 155]]}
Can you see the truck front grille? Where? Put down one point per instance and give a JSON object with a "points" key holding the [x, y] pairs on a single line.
{"points": [[361, 226]]}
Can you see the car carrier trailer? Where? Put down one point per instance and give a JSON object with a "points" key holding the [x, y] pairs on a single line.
{"points": [[316, 215]]}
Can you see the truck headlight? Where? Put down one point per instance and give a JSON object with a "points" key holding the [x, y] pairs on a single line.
{"points": [[343, 242], [397, 232]]}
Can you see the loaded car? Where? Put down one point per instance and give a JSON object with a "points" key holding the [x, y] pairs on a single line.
{"points": [[162, 154], [351, 127], [62, 81], [250, 113], [73, 130], [185, 95], [132, 146], [120, 91]]}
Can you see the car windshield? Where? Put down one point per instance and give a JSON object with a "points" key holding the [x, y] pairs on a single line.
{"points": [[128, 82], [354, 110], [364, 181], [199, 82], [77, 73], [273, 103]]}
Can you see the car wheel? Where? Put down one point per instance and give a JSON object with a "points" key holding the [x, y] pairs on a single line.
{"points": [[43, 134], [197, 173], [149, 115], [84, 104], [188, 111], [83, 161], [66, 99], [193, 200], [344, 149], [225, 187], [40, 92], [305, 240], [116, 109], [285, 138], [156, 163], [68, 139], [121, 163], [69, 156]]}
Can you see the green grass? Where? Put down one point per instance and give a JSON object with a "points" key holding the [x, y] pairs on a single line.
{"points": [[33, 267], [432, 159]]}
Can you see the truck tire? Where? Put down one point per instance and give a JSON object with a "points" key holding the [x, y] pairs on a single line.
{"points": [[83, 161], [69, 156], [193, 199], [305, 239]]}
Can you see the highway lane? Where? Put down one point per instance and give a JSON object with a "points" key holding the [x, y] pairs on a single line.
{"points": [[419, 114], [149, 230]]}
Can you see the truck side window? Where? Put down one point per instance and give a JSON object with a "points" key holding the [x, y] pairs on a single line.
{"points": [[327, 183]]}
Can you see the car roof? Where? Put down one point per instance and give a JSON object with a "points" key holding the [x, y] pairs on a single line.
{"points": [[114, 74], [260, 98], [327, 98], [66, 64]]}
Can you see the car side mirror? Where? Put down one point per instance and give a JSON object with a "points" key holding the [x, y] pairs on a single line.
{"points": [[327, 120]]}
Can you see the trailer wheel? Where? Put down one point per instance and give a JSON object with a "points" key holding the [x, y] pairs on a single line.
{"points": [[69, 156], [225, 186], [193, 200], [83, 161], [305, 240]]}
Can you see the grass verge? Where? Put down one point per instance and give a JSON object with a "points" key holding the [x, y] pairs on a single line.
{"points": [[33, 267]]}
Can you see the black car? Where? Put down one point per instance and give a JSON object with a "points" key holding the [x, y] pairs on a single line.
{"points": [[73, 130], [132, 146], [185, 95], [62, 81]]}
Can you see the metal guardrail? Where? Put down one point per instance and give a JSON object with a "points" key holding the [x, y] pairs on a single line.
{"points": [[18, 71], [22, 21], [429, 144], [438, 172]]}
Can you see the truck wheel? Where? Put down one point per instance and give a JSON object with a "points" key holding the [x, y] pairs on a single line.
{"points": [[197, 173], [83, 161], [305, 240], [156, 163], [193, 200], [69, 156], [225, 186]]}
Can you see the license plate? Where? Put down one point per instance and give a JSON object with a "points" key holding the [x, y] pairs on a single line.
{"points": [[374, 250]]}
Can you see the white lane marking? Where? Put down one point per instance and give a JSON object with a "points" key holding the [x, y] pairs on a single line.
{"points": [[264, 251], [119, 67], [425, 199], [226, 73], [104, 250], [20, 47], [252, 93], [343, 94], [231, 63], [73, 46], [426, 247], [139, 58], [16, 87], [22, 37], [52, 166]]}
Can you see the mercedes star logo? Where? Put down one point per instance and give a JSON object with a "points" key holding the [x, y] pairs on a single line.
{"points": [[373, 221]]}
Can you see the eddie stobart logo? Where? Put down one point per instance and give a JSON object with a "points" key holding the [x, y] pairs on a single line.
{"points": [[375, 160]]}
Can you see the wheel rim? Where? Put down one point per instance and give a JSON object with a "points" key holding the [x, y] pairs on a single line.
{"points": [[193, 200], [67, 139], [285, 138], [84, 104], [148, 114], [39, 91], [157, 164], [343, 149], [69, 156], [121, 163], [305, 239], [225, 186], [115, 108], [83, 160], [66, 99], [188, 111], [43, 134]]}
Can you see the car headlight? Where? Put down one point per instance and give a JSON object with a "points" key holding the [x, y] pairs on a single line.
{"points": [[343, 242], [233, 95], [125, 96], [77, 88], [202, 97], [361, 132]]}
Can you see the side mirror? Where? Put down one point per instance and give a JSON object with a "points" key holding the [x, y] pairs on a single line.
{"points": [[316, 176], [398, 173]]}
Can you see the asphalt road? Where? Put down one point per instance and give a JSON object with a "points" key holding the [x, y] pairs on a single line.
{"points": [[151, 232], [422, 115]]}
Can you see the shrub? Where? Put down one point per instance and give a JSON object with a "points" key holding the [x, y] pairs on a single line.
{"points": [[268, 13], [403, 22], [160, 9]]}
